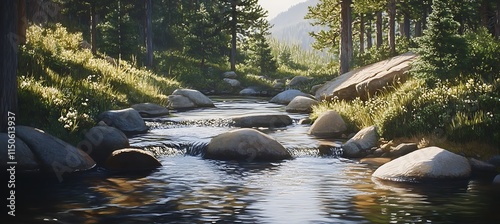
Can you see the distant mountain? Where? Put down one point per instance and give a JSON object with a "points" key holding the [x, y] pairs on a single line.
{"points": [[290, 26]]}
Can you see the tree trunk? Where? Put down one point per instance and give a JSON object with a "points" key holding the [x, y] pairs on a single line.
{"points": [[379, 29], [418, 28], [362, 34], [93, 28], [497, 23], [406, 28], [392, 27], [345, 36], [369, 42], [149, 34], [8, 62], [483, 12], [234, 25], [22, 22]]}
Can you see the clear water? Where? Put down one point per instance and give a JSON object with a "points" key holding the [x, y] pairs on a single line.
{"points": [[307, 189]]}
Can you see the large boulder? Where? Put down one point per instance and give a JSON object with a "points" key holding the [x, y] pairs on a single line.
{"points": [[301, 104], [53, 154], [131, 160], [363, 141], [195, 96], [129, 121], [245, 145], [101, 141], [21, 154], [287, 96], [150, 110], [328, 125], [180, 102], [367, 79], [424, 164], [262, 120]]}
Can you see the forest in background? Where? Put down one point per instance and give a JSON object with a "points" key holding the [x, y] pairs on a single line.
{"points": [[84, 57]]}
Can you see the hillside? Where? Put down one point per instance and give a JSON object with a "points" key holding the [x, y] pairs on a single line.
{"points": [[290, 26]]}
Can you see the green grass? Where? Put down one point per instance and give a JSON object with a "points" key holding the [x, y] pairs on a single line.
{"points": [[62, 88], [465, 112]]}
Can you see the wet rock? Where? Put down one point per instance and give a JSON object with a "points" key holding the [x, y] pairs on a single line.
{"points": [[328, 124], [249, 92], [479, 166], [287, 96], [232, 82], [423, 164], [375, 161], [403, 149], [131, 160], [262, 120], [150, 110], [25, 159], [53, 154], [301, 104], [195, 96], [101, 141], [305, 121], [230, 75], [129, 121], [361, 142], [246, 145], [328, 148]]}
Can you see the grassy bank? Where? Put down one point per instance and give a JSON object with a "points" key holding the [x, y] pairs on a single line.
{"points": [[63, 87]]}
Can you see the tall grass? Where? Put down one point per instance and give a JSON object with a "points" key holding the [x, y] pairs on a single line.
{"points": [[62, 87]]}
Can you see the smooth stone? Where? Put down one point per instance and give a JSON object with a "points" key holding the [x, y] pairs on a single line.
{"points": [[230, 74], [327, 148], [423, 164], [262, 120], [53, 154], [496, 180], [315, 88], [232, 82], [129, 121], [131, 160], [375, 161], [150, 110], [481, 166], [328, 124], [249, 92], [287, 96], [24, 158], [364, 140], [301, 104], [246, 145], [403, 149], [299, 80], [102, 141], [495, 160], [198, 98]]}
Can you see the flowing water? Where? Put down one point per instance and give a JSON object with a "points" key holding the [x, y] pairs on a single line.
{"points": [[311, 188]]}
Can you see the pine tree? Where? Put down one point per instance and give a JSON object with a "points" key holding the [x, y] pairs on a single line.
{"points": [[442, 51], [260, 52]]}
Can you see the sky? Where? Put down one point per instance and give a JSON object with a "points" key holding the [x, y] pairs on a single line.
{"points": [[274, 7]]}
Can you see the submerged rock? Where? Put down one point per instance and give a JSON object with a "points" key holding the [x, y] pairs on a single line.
{"points": [[131, 160], [129, 121], [150, 110], [53, 154], [262, 120], [287, 96], [246, 145], [328, 124], [361, 142], [423, 164], [101, 141]]}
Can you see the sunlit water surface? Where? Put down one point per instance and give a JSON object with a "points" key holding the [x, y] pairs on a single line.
{"points": [[311, 188]]}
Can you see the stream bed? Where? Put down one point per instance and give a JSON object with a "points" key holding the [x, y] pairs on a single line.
{"points": [[311, 188]]}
